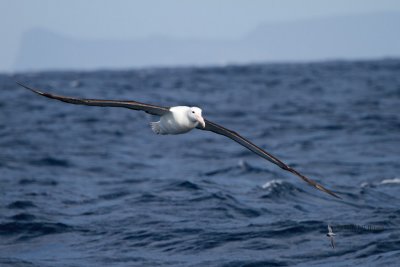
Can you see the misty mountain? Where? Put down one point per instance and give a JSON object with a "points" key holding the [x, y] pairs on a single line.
{"points": [[346, 37]]}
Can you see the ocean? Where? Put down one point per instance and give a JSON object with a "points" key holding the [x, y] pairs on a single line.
{"points": [[94, 186]]}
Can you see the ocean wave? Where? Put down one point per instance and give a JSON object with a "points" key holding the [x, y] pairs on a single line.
{"points": [[21, 204], [277, 188], [51, 161], [84, 186], [23, 217], [391, 181], [242, 167], [383, 182], [32, 229]]}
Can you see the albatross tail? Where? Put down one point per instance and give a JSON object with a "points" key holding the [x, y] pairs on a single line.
{"points": [[155, 126]]}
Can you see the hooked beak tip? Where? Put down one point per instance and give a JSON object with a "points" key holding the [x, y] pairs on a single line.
{"points": [[201, 121], [203, 124]]}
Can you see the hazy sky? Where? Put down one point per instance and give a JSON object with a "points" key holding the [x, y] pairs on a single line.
{"points": [[128, 19]]}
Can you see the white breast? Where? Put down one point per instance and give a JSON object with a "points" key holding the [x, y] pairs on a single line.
{"points": [[176, 121]]}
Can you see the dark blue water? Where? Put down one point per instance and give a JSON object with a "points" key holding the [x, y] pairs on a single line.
{"points": [[92, 186]]}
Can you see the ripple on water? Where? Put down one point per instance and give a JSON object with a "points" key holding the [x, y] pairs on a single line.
{"points": [[32, 229], [21, 204]]}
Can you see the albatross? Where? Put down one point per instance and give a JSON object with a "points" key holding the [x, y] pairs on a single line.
{"points": [[179, 120]]}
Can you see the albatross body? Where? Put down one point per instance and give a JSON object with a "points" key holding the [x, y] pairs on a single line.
{"points": [[179, 120]]}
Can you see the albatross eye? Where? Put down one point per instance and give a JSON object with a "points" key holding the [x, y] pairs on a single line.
{"points": [[192, 111]]}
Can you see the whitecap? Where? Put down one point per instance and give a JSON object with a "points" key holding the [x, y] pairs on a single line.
{"points": [[272, 183], [391, 181]]}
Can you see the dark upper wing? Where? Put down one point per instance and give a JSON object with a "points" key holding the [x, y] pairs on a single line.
{"points": [[151, 109], [213, 127]]}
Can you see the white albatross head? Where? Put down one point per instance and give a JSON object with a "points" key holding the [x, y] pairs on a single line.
{"points": [[194, 114]]}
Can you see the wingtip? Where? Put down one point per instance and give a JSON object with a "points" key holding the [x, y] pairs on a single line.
{"points": [[21, 84], [313, 183], [323, 189], [335, 195], [29, 88]]}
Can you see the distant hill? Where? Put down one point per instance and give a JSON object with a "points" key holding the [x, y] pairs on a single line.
{"points": [[346, 37]]}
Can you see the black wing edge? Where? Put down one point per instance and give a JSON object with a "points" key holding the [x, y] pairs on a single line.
{"points": [[213, 127], [151, 109]]}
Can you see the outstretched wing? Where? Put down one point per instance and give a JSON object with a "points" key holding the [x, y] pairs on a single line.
{"points": [[151, 109], [213, 127]]}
